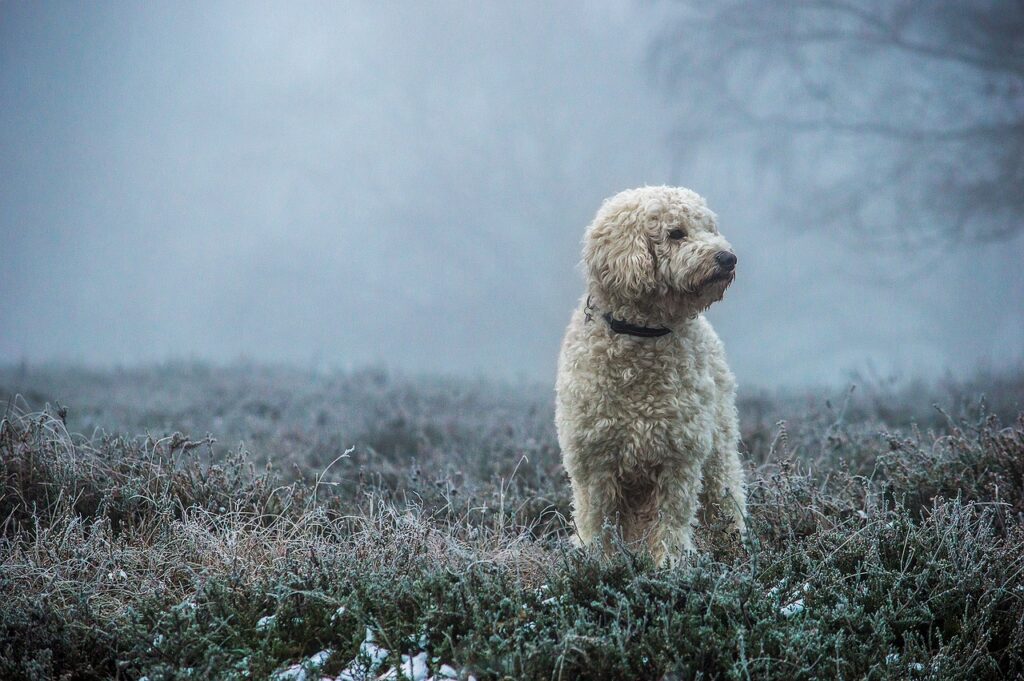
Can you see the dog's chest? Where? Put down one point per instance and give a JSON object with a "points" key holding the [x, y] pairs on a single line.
{"points": [[654, 407]]}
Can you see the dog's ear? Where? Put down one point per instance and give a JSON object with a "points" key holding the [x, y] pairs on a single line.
{"points": [[618, 253]]}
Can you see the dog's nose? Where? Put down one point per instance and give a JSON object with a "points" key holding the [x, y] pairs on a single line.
{"points": [[726, 260]]}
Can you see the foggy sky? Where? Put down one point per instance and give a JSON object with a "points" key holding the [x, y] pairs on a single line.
{"points": [[405, 184]]}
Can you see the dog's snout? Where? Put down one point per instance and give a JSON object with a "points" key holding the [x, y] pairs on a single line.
{"points": [[726, 260]]}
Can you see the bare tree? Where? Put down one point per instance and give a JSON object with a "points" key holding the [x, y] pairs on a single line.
{"points": [[884, 115]]}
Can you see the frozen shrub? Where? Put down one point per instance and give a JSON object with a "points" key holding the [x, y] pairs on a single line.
{"points": [[882, 545]]}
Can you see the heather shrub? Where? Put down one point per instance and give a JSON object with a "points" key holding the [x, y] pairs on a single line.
{"points": [[435, 514]]}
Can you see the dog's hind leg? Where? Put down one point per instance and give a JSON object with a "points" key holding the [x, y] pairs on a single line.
{"points": [[724, 488]]}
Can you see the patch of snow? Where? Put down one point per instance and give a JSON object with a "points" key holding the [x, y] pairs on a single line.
{"points": [[265, 623], [338, 614], [794, 608], [371, 656], [320, 659], [414, 668], [309, 670]]}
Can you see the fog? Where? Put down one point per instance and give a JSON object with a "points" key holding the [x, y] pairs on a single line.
{"points": [[341, 184]]}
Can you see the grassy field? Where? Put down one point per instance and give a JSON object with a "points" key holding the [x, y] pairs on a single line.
{"points": [[248, 522]]}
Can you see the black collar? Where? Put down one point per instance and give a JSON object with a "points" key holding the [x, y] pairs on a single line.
{"points": [[619, 326]]}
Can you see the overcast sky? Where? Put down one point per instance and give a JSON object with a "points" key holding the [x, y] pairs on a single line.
{"points": [[405, 184]]}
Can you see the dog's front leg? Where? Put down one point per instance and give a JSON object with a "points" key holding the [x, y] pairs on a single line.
{"points": [[595, 510], [671, 536]]}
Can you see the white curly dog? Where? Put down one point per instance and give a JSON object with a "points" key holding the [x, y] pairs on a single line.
{"points": [[646, 407]]}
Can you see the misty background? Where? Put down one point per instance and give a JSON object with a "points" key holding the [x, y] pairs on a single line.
{"points": [[341, 184]]}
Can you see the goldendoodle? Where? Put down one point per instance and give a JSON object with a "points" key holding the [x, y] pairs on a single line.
{"points": [[646, 408]]}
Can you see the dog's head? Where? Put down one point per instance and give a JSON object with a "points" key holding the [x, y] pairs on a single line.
{"points": [[657, 250]]}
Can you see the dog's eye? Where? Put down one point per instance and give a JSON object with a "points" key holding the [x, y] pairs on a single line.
{"points": [[677, 234]]}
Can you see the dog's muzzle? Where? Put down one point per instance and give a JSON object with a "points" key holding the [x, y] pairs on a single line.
{"points": [[726, 260], [725, 269]]}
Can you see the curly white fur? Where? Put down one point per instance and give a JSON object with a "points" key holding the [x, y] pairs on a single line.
{"points": [[648, 426]]}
